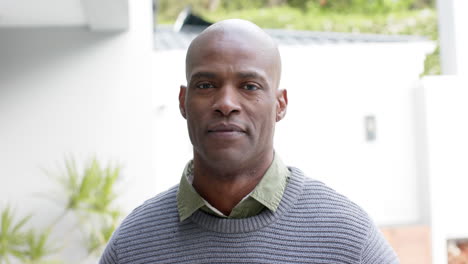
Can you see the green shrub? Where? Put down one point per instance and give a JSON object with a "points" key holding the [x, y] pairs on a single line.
{"points": [[89, 196], [28, 246], [358, 16]]}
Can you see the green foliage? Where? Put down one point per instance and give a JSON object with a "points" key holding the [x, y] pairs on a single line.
{"points": [[417, 22], [37, 247], [100, 235], [90, 196], [412, 22], [93, 191], [366, 6], [168, 9], [432, 63], [29, 247], [242, 4], [12, 236], [409, 17]]}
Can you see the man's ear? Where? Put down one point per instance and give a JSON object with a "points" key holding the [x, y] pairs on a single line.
{"points": [[182, 93], [281, 104]]}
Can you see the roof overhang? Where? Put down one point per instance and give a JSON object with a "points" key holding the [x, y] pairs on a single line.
{"points": [[166, 38], [98, 15]]}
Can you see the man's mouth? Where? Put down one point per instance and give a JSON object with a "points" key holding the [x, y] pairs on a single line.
{"points": [[225, 129]]}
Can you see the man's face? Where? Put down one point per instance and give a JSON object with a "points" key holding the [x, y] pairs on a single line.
{"points": [[231, 101]]}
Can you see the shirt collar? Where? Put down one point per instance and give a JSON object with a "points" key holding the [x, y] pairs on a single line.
{"points": [[267, 194], [269, 191], [188, 200]]}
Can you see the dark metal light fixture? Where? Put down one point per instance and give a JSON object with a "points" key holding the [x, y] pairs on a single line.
{"points": [[188, 18]]}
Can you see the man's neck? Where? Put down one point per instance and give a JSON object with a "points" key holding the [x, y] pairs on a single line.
{"points": [[224, 189]]}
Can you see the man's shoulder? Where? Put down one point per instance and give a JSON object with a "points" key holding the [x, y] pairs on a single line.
{"points": [[144, 223], [324, 201], [163, 205], [326, 213]]}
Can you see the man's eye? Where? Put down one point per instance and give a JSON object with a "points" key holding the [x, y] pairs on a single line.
{"points": [[250, 87], [204, 86]]}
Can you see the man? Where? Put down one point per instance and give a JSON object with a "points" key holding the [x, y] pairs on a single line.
{"points": [[237, 202]]}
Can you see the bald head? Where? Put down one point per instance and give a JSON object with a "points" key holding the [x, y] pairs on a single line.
{"points": [[235, 35], [232, 101]]}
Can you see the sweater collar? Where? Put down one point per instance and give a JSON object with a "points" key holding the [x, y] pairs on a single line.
{"points": [[267, 194], [292, 192]]}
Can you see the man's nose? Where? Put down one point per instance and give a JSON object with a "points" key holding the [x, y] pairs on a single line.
{"points": [[226, 101]]}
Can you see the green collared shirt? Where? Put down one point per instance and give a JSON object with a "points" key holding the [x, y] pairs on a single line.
{"points": [[267, 194]]}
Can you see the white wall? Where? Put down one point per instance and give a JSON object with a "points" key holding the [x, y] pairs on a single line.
{"points": [[173, 147], [331, 89], [71, 91], [447, 134], [27, 13], [453, 36]]}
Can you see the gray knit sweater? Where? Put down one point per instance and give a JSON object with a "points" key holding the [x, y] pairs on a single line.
{"points": [[313, 224]]}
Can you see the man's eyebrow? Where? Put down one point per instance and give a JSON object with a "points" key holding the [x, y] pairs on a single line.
{"points": [[250, 75], [200, 75]]}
